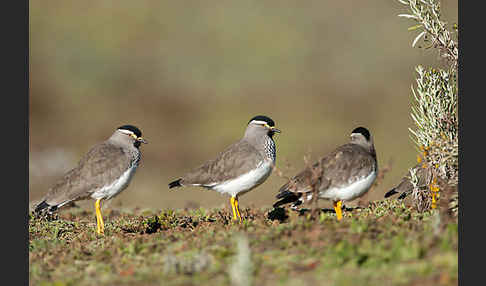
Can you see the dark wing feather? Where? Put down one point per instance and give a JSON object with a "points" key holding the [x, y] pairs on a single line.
{"points": [[287, 197], [104, 162], [234, 161], [298, 183]]}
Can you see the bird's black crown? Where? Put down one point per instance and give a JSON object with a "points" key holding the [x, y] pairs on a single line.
{"points": [[132, 128], [268, 120], [362, 131]]}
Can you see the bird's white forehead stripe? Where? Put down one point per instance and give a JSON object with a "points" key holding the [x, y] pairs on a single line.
{"points": [[128, 132], [258, 122]]}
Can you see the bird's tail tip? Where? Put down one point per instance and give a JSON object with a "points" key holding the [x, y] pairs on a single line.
{"points": [[402, 196], [176, 183], [283, 192], [41, 206], [390, 193]]}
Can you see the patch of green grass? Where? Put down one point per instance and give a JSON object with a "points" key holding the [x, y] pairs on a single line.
{"points": [[386, 243]]}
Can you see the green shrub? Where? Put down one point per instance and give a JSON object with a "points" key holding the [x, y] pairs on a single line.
{"points": [[434, 106]]}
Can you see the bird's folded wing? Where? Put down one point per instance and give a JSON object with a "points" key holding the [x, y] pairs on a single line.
{"points": [[236, 160], [335, 170], [102, 165]]}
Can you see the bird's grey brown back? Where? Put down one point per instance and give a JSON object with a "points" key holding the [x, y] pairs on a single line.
{"points": [[106, 161], [236, 160], [335, 168]]}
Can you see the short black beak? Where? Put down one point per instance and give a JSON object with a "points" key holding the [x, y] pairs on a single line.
{"points": [[276, 130], [142, 140]]}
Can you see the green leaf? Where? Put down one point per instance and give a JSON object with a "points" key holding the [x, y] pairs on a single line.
{"points": [[414, 27]]}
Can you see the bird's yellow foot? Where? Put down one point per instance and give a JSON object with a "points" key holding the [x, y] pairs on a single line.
{"points": [[100, 226], [338, 209]]}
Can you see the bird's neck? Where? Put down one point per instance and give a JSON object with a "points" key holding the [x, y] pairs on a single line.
{"points": [[264, 144], [270, 150], [368, 146], [371, 150]]}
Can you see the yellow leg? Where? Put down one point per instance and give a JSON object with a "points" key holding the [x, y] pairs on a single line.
{"points": [[434, 200], [237, 209], [97, 211], [434, 188], [97, 220], [338, 210], [100, 226], [233, 207]]}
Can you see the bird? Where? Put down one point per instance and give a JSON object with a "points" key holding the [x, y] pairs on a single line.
{"points": [[345, 174], [419, 178], [405, 187], [240, 167], [101, 174]]}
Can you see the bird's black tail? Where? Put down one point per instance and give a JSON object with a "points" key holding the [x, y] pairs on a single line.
{"points": [[43, 206], [176, 183], [390, 193], [286, 198], [402, 196], [393, 192]]}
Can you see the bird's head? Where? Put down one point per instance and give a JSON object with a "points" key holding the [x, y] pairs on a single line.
{"points": [[132, 133], [362, 136], [262, 125]]}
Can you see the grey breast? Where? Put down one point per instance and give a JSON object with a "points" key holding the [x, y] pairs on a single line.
{"points": [[346, 164], [236, 160], [101, 166]]}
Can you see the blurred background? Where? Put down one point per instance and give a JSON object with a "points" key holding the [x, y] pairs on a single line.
{"points": [[190, 74]]}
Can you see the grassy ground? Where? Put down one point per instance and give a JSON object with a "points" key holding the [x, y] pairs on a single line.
{"points": [[386, 243]]}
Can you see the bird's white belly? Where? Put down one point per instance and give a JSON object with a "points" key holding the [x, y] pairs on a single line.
{"points": [[111, 190], [246, 182], [350, 192]]}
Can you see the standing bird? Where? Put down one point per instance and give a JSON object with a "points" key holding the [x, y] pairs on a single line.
{"points": [[101, 174], [240, 167], [344, 175]]}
